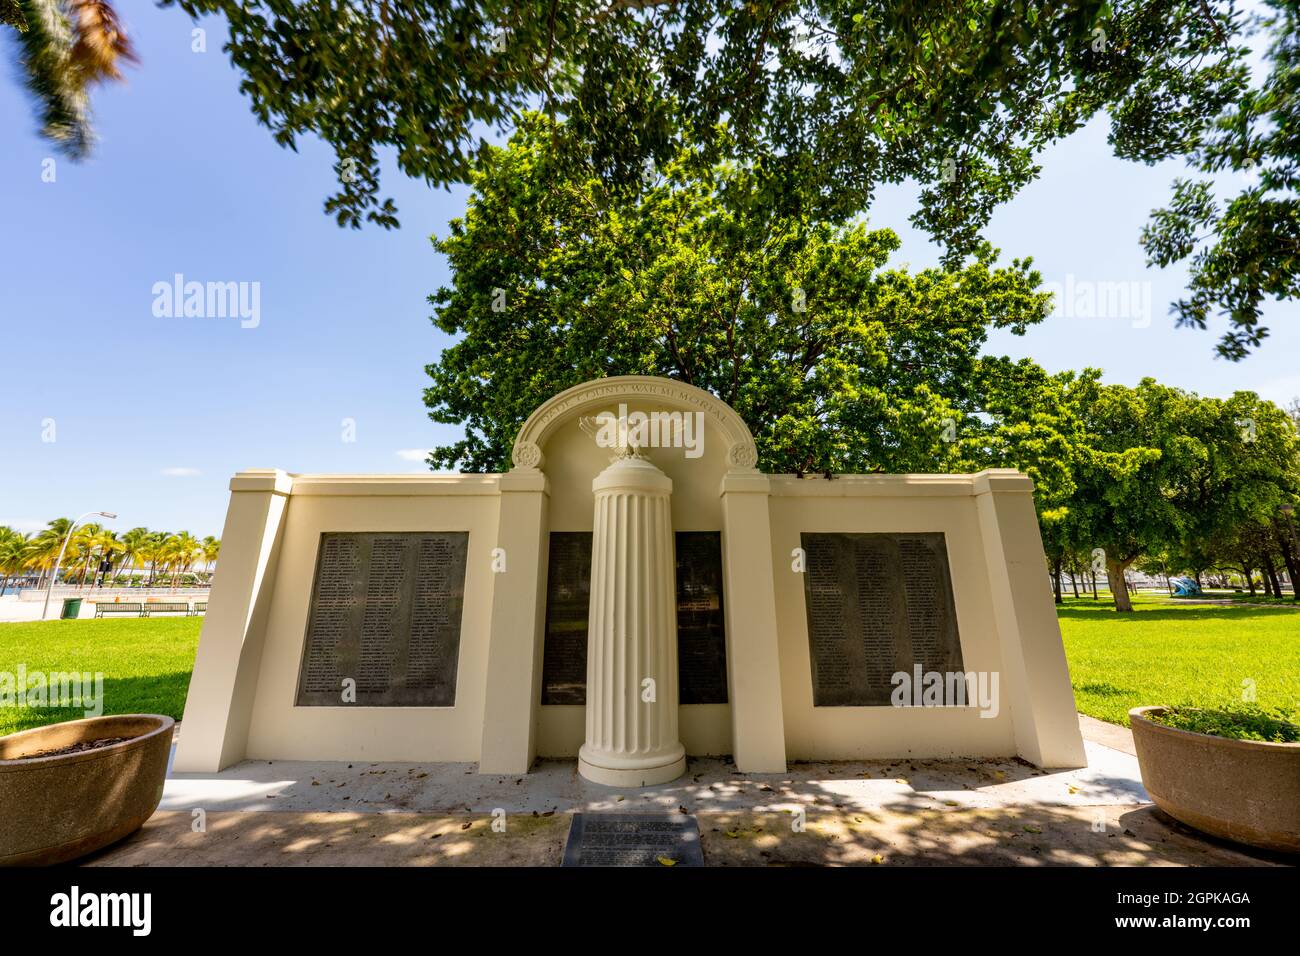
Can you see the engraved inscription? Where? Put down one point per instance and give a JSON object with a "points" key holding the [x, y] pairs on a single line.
{"points": [[386, 612], [701, 620], [877, 604], [633, 839], [568, 601]]}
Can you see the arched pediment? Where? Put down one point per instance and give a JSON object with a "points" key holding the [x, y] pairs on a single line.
{"points": [[600, 393]]}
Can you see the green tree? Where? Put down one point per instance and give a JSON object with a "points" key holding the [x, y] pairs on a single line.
{"points": [[835, 361], [1248, 250], [1036, 422], [828, 99], [44, 547], [1121, 507], [211, 548], [14, 555]]}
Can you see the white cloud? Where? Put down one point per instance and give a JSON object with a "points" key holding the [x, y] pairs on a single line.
{"points": [[413, 454], [180, 472]]}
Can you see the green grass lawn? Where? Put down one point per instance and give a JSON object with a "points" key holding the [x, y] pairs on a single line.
{"points": [[1165, 652], [1171, 652], [146, 663]]}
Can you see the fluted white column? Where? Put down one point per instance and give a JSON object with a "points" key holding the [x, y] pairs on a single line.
{"points": [[632, 631]]}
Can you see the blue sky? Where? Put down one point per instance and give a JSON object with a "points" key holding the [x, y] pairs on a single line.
{"points": [[151, 415]]}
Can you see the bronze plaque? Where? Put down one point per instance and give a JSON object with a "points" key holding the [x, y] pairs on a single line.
{"points": [[633, 839], [385, 611], [568, 602], [701, 625], [701, 631], [877, 604]]}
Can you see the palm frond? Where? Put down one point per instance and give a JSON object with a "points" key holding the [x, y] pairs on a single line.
{"points": [[100, 43], [11, 14], [56, 85]]}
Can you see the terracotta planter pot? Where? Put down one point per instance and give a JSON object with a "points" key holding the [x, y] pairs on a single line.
{"points": [[60, 807], [1242, 790]]}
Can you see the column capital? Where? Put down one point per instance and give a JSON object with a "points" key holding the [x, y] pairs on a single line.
{"points": [[634, 474]]}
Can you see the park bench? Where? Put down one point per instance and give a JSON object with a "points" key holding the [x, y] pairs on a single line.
{"points": [[167, 607], [102, 608], [200, 607]]}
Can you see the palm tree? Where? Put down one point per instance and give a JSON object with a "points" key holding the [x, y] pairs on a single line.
{"points": [[81, 549], [130, 545], [211, 551], [13, 556], [151, 552], [183, 549], [66, 47], [43, 550], [106, 543]]}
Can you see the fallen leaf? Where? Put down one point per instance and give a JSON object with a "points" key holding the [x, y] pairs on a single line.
{"points": [[665, 861], [877, 859], [1029, 829]]}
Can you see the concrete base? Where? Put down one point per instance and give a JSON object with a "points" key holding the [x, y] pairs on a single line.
{"points": [[633, 774]]}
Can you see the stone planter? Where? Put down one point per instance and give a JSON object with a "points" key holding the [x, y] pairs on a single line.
{"points": [[59, 807], [1242, 790]]}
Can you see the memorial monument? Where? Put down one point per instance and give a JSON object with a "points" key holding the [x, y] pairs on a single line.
{"points": [[633, 591]]}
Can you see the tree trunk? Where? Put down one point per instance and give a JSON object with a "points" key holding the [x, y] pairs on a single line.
{"points": [[1056, 580], [1074, 581], [1094, 585], [1118, 584], [1288, 558], [1270, 576], [1250, 580]]}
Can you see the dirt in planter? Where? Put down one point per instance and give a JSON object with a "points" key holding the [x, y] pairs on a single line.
{"points": [[76, 748]]}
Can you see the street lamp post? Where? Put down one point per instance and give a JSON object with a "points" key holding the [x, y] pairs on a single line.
{"points": [[45, 610]]}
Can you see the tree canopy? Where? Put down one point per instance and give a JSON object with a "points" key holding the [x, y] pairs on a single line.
{"points": [[829, 98], [835, 360], [1247, 250]]}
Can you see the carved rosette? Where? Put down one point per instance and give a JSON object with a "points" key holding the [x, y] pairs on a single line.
{"points": [[527, 456], [743, 455]]}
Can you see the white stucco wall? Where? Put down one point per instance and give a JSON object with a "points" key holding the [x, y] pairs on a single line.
{"points": [[242, 696]]}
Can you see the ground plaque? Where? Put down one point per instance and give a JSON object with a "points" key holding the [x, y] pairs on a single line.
{"points": [[877, 604], [633, 839], [385, 611], [701, 629]]}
